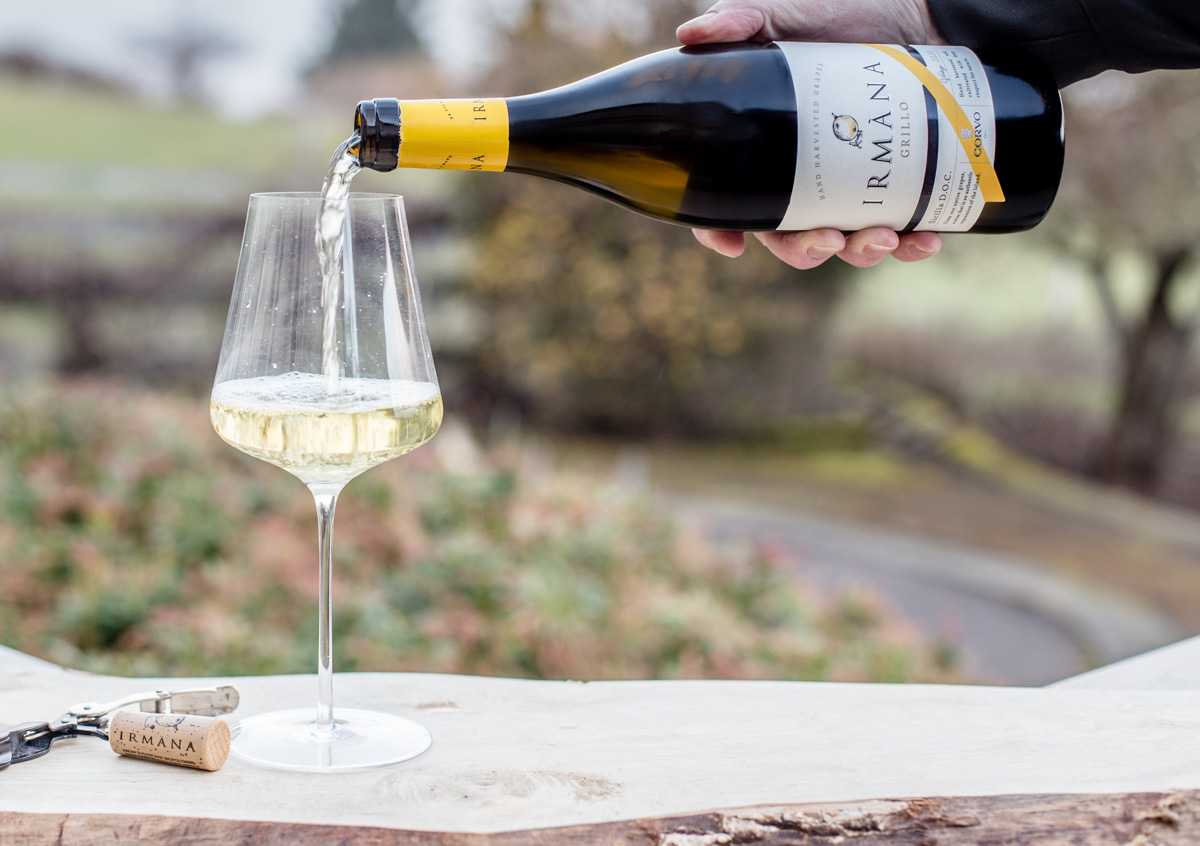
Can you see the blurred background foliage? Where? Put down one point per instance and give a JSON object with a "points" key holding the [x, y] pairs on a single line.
{"points": [[594, 319], [555, 313], [134, 543]]}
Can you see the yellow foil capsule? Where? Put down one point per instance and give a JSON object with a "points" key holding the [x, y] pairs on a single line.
{"points": [[454, 134]]}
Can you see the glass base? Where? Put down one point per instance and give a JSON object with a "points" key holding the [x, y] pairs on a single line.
{"points": [[360, 740]]}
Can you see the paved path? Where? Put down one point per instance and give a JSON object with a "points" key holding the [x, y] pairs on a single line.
{"points": [[1017, 623]]}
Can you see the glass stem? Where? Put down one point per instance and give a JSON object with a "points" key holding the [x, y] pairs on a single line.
{"points": [[326, 498]]}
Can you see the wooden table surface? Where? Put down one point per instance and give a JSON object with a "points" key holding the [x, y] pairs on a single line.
{"points": [[558, 759]]}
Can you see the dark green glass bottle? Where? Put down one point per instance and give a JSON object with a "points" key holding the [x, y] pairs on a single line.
{"points": [[767, 136]]}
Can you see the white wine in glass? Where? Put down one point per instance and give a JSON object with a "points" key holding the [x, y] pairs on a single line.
{"points": [[326, 378]]}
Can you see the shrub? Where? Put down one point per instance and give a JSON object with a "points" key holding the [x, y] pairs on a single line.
{"points": [[134, 541]]}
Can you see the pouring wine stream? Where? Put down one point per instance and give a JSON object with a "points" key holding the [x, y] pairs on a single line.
{"points": [[331, 235]]}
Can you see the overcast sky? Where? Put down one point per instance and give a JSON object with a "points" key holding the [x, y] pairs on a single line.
{"points": [[275, 40]]}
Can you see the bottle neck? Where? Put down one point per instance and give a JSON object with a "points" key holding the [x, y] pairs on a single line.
{"points": [[437, 134], [377, 123]]}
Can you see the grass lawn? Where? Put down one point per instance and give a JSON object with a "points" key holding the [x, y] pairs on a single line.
{"points": [[104, 150]]}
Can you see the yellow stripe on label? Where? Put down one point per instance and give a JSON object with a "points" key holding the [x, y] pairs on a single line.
{"points": [[454, 134], [985, 173]]}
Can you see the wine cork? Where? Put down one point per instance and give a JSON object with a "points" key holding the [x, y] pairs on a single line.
{"points": [[185, 740]]}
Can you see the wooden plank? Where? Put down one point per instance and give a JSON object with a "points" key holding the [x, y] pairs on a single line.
{"points": [[1148, 818], [11, 659], [521, 756], [1174, 667]]}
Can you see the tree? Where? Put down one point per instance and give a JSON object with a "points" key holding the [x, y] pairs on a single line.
{"points": [[594, 317], [1132, 186], [185, 50], [368, 28]]}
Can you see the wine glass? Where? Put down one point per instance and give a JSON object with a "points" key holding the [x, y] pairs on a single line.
{"points": [[326, 384]]}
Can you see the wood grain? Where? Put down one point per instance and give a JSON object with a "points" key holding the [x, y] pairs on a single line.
{"points": [[640, 762], [1162, 819]]}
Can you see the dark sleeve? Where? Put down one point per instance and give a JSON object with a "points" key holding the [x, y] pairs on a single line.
{"points": [[1079, 38]]}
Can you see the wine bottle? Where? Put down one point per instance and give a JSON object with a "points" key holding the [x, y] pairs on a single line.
{"points": [[760, 136]]}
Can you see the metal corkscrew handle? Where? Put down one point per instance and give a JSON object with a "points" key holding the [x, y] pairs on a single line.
{"points": [[90, 719]]}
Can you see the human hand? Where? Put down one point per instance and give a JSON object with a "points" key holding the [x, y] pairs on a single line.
{"points": [[885, 21], [880, 21]]}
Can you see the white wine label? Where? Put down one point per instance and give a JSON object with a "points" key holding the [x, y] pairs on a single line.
{"points": [[890, 136]]}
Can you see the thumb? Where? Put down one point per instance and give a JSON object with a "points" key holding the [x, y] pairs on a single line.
{"points": [[720, 25]]}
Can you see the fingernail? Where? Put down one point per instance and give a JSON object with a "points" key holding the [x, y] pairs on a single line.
{"points": [[923, 250], [821, 253], [877, 251]]}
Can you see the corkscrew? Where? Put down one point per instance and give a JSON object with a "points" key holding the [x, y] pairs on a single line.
{"points": [[91, 719]]}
